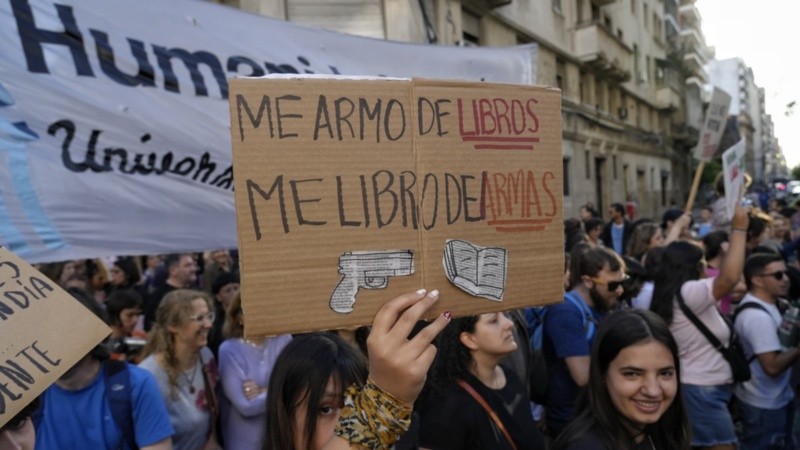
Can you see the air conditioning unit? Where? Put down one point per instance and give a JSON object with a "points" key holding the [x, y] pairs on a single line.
{"points": [[623, 112]]}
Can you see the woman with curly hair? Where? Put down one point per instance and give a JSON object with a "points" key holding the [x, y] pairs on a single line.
{"points": [[466, 382], [633, 398], [177, 356]]}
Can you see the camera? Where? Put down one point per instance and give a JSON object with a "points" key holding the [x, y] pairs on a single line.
{"points": [[126, 345]]}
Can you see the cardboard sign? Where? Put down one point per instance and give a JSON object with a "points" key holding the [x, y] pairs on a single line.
{"points": [[714, 125], [45, 332], [350, 192], [733, 172]]}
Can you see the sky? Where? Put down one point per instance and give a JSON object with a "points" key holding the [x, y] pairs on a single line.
{"points": [[765, 34]]}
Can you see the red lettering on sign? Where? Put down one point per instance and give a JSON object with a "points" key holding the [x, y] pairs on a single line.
{"points": [[518, 201], [499, 124]]}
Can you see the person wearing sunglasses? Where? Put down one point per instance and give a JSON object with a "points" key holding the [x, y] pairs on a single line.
{"points": [[177, 356], [766, 401], [682, 296], [597, 277]]}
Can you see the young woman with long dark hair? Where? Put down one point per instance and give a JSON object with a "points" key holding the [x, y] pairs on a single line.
{"points": [[466, 381], [633, 399], [322, 396]]}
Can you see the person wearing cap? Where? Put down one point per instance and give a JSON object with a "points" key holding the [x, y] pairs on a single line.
{"points": [[224, 288]]}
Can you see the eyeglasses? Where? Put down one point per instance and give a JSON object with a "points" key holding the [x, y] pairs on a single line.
{"points": [[777, 275], [202, 317], [611, 285]]}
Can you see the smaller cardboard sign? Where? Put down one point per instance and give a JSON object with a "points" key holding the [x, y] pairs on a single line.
{"points": [[733, 172], [45, 332], [714, 125]]}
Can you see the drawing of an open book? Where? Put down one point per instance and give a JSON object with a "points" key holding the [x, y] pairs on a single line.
{"points": [[480, 271]]}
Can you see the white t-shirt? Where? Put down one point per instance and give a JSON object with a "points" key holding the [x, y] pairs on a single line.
{"points": [[758, 332], [701, 363]]}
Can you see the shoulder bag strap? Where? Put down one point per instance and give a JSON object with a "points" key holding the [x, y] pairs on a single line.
{"points": [[749, 305], [701, 326], [589, 322], [488, 409], [118, 393]]}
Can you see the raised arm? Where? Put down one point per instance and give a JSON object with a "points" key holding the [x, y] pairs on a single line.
{"points": [[734, 260], [397, 370]]}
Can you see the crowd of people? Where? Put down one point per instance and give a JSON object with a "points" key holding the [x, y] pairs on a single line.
{"points": [[641, 353]]}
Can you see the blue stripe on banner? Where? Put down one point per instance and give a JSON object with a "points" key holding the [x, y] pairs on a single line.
{"points": [[21, 179], [5, 98], [13, 239], [17, 131]]}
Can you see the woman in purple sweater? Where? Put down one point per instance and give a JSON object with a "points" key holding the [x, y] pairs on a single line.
{"points": [[245, 367]]}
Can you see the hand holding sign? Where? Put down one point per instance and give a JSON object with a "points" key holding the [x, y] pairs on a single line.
{"points": [[397, 364]]}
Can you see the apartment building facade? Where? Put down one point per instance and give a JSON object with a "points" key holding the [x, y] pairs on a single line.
{"points": [[629, 118]]}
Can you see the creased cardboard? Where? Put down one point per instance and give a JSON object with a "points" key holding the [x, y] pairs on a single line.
{"points": [[46, 331], [348, 191]]}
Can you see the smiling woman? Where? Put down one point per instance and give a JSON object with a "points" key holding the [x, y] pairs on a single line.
{"points": [[177, 356], [633, 399]]}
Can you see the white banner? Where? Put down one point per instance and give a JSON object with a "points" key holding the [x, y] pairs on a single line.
{"points": [[733, 171], [714, 125], [114, 127]]}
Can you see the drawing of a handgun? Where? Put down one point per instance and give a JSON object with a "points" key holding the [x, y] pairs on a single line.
{"points": [[368, 270]]}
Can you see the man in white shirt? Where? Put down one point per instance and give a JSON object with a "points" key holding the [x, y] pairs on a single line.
{"points": [[766, 401]]}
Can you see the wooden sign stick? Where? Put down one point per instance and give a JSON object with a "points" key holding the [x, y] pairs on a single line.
{"points": [[695, 185]]}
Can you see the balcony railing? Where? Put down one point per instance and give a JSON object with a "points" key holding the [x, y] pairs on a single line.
{"points": [[690, 15], [598, 47]]}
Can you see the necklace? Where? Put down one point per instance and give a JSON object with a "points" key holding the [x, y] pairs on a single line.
{"points": [[652, 446], [190, 380]]}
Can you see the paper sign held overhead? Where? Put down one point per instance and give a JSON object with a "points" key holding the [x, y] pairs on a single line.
{"points": [[348, 192], [733, 171], [45, 332], [713, 126]]}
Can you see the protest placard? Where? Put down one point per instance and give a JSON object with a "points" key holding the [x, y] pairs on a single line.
{"points": [[733, 173], [713, 126], [45, 332], [350, 192]]}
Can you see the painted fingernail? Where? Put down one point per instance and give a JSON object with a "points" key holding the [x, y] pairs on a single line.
{"points": [[434, 293], [447, 315], [421, 292]]}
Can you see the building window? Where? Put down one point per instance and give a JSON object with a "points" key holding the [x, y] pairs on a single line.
{"points": [[646, 17], [633, 7], [470, 29], [656, 27], [588, 164], [614, 165], [565, 168], [578, 11], [561, 75], [557, 6], [582, 87]]}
